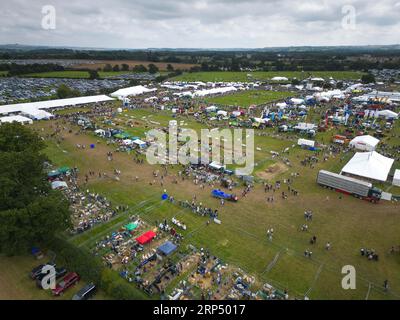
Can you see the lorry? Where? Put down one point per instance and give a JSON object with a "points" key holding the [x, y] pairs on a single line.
{"points": [[348, 185]]}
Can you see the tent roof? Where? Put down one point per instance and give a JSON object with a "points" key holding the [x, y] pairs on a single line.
{"points": [[131, 226], [131, 91], [139, 142], [369, 140], [167, 248], [31, 106], [10, 119], [370, 165], [146, 237], [59, 184]]}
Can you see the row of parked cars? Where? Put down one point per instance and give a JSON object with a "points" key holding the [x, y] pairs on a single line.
{"points": [[64, 280]]}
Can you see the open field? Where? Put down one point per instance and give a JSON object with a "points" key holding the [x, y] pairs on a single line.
{"points": [[222, 76], [248, 98], [161, 65], [241, 238], [73, 74]]}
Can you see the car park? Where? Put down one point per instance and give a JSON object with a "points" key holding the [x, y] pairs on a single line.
{"points": [[69, 280]]}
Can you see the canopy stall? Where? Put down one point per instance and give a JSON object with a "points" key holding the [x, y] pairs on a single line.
{"points": [[131, 226], [167, 248], [146, 237]]}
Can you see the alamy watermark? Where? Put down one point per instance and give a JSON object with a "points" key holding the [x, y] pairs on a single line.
{"points": [[49, 17], [349, 19], [165, 149]]}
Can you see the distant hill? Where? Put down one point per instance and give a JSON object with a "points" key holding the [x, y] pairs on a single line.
{"points": [[371, 48]]}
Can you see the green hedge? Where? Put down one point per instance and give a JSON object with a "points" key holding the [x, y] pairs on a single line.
{"points": [[91, 269]]}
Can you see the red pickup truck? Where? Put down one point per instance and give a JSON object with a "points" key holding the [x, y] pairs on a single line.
{"points": [[69, 280]]}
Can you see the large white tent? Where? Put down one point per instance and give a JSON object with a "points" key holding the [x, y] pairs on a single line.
{"points": [[396, 178], [19, 119], [279, 79], [131, 91], [51, 104], [364, 143], [37, 114], [370, 165], [207, 92]]}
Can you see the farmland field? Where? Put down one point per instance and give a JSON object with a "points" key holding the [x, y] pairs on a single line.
{"points": [[222, 76], [73, 74], [241, 236], [161, 65], [248, 98]]}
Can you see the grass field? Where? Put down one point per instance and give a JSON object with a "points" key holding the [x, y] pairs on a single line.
{"points": [[346, 222], [261, 75], [248, 98], [16, 284], [3, 73], [162, 66]]}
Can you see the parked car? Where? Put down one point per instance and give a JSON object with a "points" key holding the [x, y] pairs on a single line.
{"points": [[60, 272], [38, 270], [69, 280], [86, 292]]}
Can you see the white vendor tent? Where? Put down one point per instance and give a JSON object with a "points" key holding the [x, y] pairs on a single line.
{"points": [[131, 91], [281, 105], [206, 92], [140, 143], [59, 185], [302, 126], [396, 178], [388, 114], [222, 113], [371, 165], [19, 119], [297, 101], [364, 143], [305, 142], [279, 79], [37, 114]]}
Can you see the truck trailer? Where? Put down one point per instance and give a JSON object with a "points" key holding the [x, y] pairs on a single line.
{"points": [[358, 188]]}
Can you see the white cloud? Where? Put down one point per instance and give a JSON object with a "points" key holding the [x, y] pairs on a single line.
{"points": [[200, 23]]}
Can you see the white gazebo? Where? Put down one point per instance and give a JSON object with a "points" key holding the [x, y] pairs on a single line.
{"points": [[364, 143]]}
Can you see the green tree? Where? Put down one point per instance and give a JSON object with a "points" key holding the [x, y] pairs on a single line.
{"points": [[139, 68], [368, 78], [30, 212], [64, 92], [125, 67], [152, 68], [107, 68], [93, 74], [170, 68]]}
